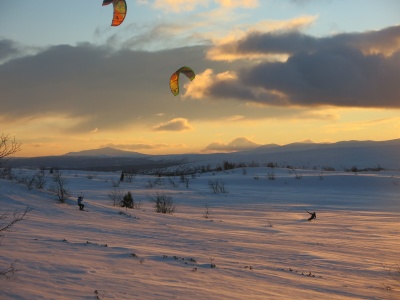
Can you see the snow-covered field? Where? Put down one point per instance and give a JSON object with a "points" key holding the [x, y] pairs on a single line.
{"points": [[256, 235]]}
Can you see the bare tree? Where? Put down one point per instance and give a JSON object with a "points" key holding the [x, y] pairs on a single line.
{"points": [[17, 216], [163, 203], [129, 175], [58, 187], [5, 226], [8, 146], [116, 196]]}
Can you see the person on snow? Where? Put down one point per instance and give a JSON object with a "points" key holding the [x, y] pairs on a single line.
{"points": [[313, 216], [81, 206]]}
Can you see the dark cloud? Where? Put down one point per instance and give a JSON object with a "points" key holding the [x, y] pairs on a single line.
{"points": [[238, 144], [101, 87], [341, 77], [231, 89], [8, 49], [360, 70], [387, 39]]}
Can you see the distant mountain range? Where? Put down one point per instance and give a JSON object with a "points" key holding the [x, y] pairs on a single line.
{"points": [[106, 152], [340, 155]]}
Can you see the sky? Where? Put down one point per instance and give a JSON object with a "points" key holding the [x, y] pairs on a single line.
{"points": [[273, 71]]}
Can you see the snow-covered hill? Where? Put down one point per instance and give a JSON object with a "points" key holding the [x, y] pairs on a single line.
{"points": [[342, 155], [255, 233]]}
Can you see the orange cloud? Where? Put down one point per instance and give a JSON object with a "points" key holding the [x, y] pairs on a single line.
{"points": [[199, 88], [177, 124], [238, 3], [185, 5]]}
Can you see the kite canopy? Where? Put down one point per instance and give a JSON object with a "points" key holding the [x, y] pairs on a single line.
{"points": [[174, 80], [119, 11]]}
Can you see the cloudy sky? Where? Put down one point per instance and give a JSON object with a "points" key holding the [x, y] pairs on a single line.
{"points": [[267, 71]]}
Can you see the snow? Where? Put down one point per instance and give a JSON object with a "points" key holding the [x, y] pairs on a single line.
{"points": [[256, 234]]}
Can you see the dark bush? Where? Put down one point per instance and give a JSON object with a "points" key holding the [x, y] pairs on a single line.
{"points": [[127, 201]]}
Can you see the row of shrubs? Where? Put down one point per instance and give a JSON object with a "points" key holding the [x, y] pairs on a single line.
{"points": [[162, 202], [39, 180], [229, 165]]}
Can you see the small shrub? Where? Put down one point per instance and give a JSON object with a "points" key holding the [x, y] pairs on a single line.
{"points": [[212, 264], [205, 168], [129, 175], [186, 182], [37, 181], [21, 177], [328, 169], [115, 183], [91, 176], [116, 197], [153, 182], [207, 212], [228, 165], [217, 187], [149, 184], [253, 164], [296, 175], [127, 200], [29, 182], [40, 180], [163, 204], [6, 173], [172, 182], [271, 175]]}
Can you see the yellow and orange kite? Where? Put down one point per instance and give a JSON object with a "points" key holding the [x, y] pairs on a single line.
{"points": [[174, 80], [119, 11]]}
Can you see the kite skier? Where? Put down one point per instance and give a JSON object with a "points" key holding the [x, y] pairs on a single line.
{"points": [[313, 215], [80, 199]]}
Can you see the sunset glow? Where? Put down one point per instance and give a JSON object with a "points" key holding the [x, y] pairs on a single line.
{"points": [[266, 72]]}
